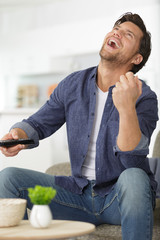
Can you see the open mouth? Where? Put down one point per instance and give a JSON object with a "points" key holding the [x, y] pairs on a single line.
{"points": [[113, 43]]}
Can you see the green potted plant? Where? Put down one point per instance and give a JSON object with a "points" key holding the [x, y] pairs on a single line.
{"points": [[41, 197]]}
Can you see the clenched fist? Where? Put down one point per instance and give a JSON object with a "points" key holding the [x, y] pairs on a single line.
{"points": [[126, 92]]}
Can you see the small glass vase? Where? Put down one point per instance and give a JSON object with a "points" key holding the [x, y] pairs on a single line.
{"points": [[40, 216]]}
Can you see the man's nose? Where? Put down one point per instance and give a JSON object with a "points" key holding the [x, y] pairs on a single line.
{"points": [[118, 34]]}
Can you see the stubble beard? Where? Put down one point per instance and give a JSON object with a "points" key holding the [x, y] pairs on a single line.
{"points": [[116, 59]]}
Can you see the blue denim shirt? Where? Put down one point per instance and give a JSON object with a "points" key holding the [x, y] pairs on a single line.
{"points": [[73, 102]]}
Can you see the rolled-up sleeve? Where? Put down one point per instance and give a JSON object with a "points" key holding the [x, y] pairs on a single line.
{"points": [[135, 157], [143, 144], [30, 131]]}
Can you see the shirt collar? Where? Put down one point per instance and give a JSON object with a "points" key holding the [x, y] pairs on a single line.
{"points": [[94, 76]]}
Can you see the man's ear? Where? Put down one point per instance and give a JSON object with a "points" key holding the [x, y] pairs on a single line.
{"points": [[137, 59]]}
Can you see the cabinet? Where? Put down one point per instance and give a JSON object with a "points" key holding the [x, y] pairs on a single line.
{"points": [[40, 73]]}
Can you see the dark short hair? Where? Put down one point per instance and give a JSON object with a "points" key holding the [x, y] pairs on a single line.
{"points": [[145, 42]]}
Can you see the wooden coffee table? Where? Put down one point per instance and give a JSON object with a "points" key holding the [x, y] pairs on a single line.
{"points": [[59, 229]]}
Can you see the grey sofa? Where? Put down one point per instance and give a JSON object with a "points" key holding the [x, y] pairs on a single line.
{"points": [[112, 232]]}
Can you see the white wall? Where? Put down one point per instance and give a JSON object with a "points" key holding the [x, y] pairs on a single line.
{"points": [[37, 33], [32, 35]]}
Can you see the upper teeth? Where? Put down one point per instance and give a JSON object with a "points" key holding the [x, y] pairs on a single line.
{"points": [[113, 41]]}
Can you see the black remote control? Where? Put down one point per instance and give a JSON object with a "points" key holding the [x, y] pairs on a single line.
{"points": [[13, 142]]}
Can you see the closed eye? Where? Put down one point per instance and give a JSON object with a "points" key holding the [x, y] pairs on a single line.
{"points": [[116, 28], [130, 34]]}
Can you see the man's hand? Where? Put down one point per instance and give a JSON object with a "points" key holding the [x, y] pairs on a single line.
{"points": [[15, 133], [126, 92]]}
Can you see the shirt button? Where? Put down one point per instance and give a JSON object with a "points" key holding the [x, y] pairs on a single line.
{"points": [[92, 114]]}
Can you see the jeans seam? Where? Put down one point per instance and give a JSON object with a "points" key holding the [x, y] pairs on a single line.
{"points": [[106, 206], [72, 205], [148, 233]]}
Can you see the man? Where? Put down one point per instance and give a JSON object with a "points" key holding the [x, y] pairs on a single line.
{"points": [[110, 115]]}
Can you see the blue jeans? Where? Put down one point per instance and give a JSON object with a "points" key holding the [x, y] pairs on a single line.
{"points": [[129, 204]]}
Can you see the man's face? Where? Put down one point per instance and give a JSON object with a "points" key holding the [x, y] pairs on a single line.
{"points": [[121, 45]]}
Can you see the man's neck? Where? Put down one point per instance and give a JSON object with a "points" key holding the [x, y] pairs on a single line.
{"points": [[108, 75]]}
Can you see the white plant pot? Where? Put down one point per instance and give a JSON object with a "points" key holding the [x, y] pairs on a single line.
{"points": [[40, 216]]}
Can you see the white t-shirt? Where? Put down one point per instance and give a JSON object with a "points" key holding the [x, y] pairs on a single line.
{"points": [[88, 168]]}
